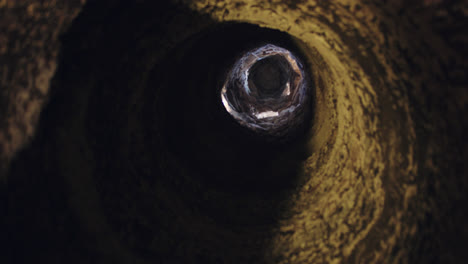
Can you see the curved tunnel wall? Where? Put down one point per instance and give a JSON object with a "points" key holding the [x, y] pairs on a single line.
{"points": [[135, 160]]}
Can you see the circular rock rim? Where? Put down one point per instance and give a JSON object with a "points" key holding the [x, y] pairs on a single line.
{"points": [[274, 115]]}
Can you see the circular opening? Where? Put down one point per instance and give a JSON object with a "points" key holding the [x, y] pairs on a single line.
{"points": [[268, 91], [269, 76], [231, 156]]}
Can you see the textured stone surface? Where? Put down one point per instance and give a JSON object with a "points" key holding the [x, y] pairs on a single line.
{"points": [[385, 180], [29, 46], [376, 175]]}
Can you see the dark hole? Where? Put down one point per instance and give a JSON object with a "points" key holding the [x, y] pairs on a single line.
{"points": [[269, 76], [228, 157]]}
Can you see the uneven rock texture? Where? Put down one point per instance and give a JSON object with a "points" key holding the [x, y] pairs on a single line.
{"points": [[29, 45], [131, 161]]}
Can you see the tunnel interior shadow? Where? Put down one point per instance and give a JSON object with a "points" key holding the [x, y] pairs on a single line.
{"points": [[136, 129]]}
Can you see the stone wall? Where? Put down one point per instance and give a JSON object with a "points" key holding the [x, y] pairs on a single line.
{"points": [[113, 149]]}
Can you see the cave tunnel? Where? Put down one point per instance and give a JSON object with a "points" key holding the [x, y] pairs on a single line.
{"points": [[233, 131]]}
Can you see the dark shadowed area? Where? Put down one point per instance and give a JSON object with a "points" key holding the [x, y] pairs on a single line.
{"points": [[115, 146]]}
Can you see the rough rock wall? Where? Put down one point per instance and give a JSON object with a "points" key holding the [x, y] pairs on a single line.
{"points": [[384, 181], [29, 46]]}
